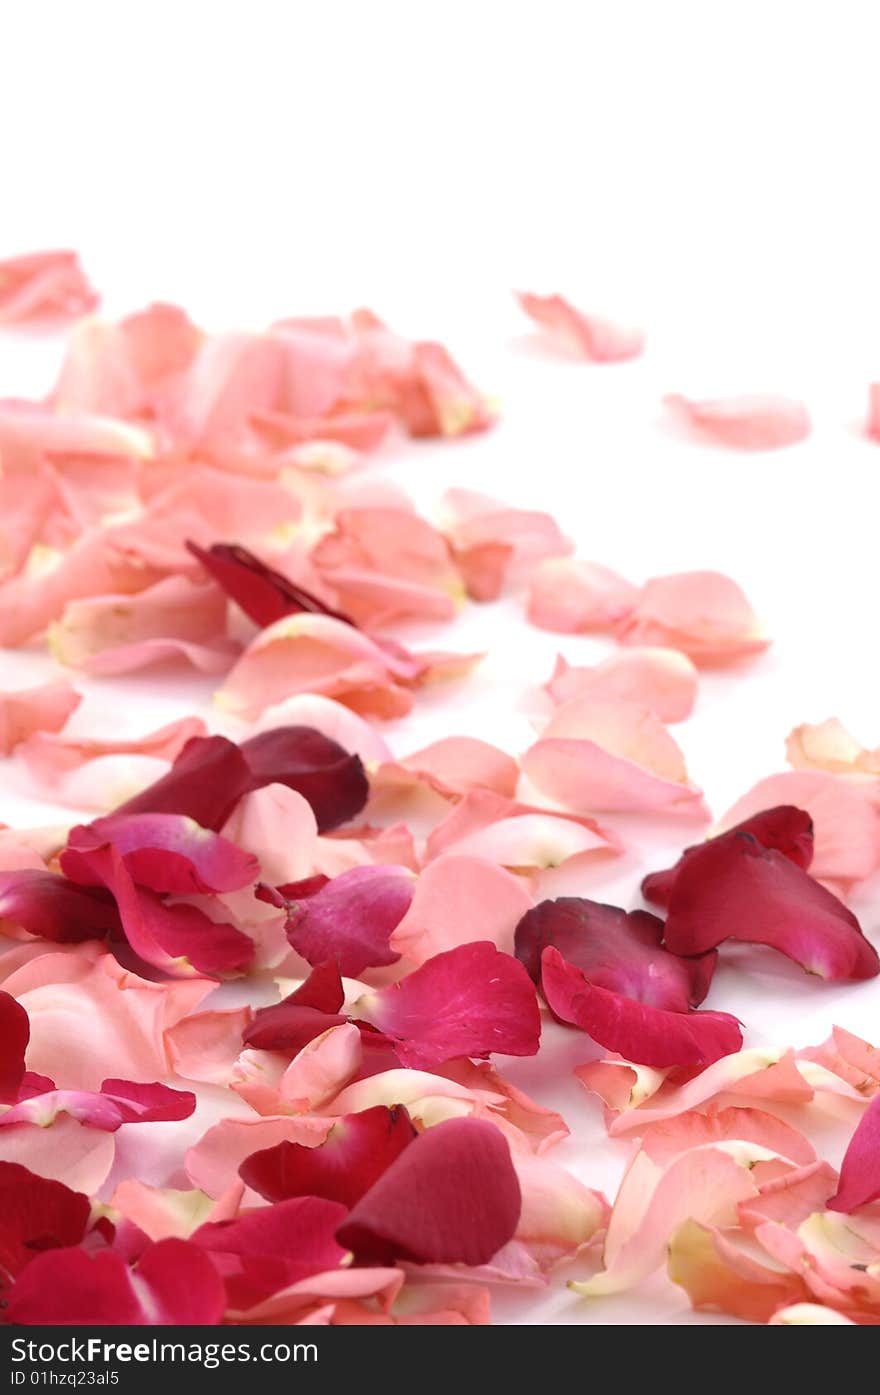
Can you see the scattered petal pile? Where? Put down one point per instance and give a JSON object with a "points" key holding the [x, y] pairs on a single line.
{"points": [[288, 949]]}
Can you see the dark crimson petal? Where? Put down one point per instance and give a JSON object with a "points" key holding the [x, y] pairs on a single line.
{"points": [[286, 897], [647, 1035], [787, 829], [620, 951], [469, 1001], [262, 593], [270, 1248], [53, 908], [311, 1009], [177, 938], [174, 1282], [451, 1197], [352, 918], [357, 1150], [36, 1214], [15, 1033], [734, 888], [165, 852], [860, 1170], [205, 782], [323, 772]]}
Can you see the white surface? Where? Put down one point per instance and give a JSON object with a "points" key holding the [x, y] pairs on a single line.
{"points": [[708, 172]]}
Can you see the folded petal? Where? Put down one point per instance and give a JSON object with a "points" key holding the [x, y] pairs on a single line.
{"points": [[587, 336], [266, 1250], [493, 543], [614, 949], [735, 888], [263, 594], [642, 1033], [165, 852], [354, 1155], [662, 679], [56, 908], [36, 1214], [598, 753], [44, 286], [54, 760], [470, 1001], [718, 1276], [328, 777], [34, 710], [451, 1197], [15, 1032], [744, 423]]}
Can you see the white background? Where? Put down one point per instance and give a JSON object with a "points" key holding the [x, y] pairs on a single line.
{"points": [[707, 170]]}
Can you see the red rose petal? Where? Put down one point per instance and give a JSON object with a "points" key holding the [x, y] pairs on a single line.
{"points": [[469, 1001], [734, 888], [327, 776], [174, 1282], [451, 1197], [270, 1249], [648, 1035], [787, 829], [205, 782], [314, 1007], [355, 1153], [15, 1033], [620, 951], [352, 917], [36, 1214]]}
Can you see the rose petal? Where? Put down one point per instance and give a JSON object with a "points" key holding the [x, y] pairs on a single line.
{"points": [[744, 423], [785, 828], [574, 597], [662, 679], [458, 900], [860, 1169], [33, 710], [352, 918], [48, 286], [704, 614], [588, 336]]}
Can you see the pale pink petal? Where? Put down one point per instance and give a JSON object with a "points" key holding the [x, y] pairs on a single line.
{"points": [[519, 836], [44, 286], [559, 1214], [278, 826], [718, 1275], [662, 679], [314, 1077], [575, 597], [212, 1164], [86, 1011], [704, 614], [114, 634], [588, 336], [493, 543], [829, 746], [31, 432], [845, 818], [598, 753], [123, 369], [451, 767], [50, 758], [526, 1124], [872, 426], [162, 1212], [809, 1315], [206, 1045], [457, 900], [703, 1185], [27, 711], [308, 653], [68, 1152], [339, 723], [744, 423]]}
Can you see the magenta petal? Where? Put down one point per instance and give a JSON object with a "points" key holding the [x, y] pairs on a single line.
{"points": [[174, 1282], [647, 1035], [270, 1249], [36, 1214], [148, 1104], [262, 593], [15, 1032], [469, 1001], [54, 908], [166, 852], [352, 918], [322, 989], [787, 829], [860, 1169], [735, 888], [355, 1153], [327, 776], [451, 1197], [118, 1102], [620, 951], [205, 782], [176, 938]]}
